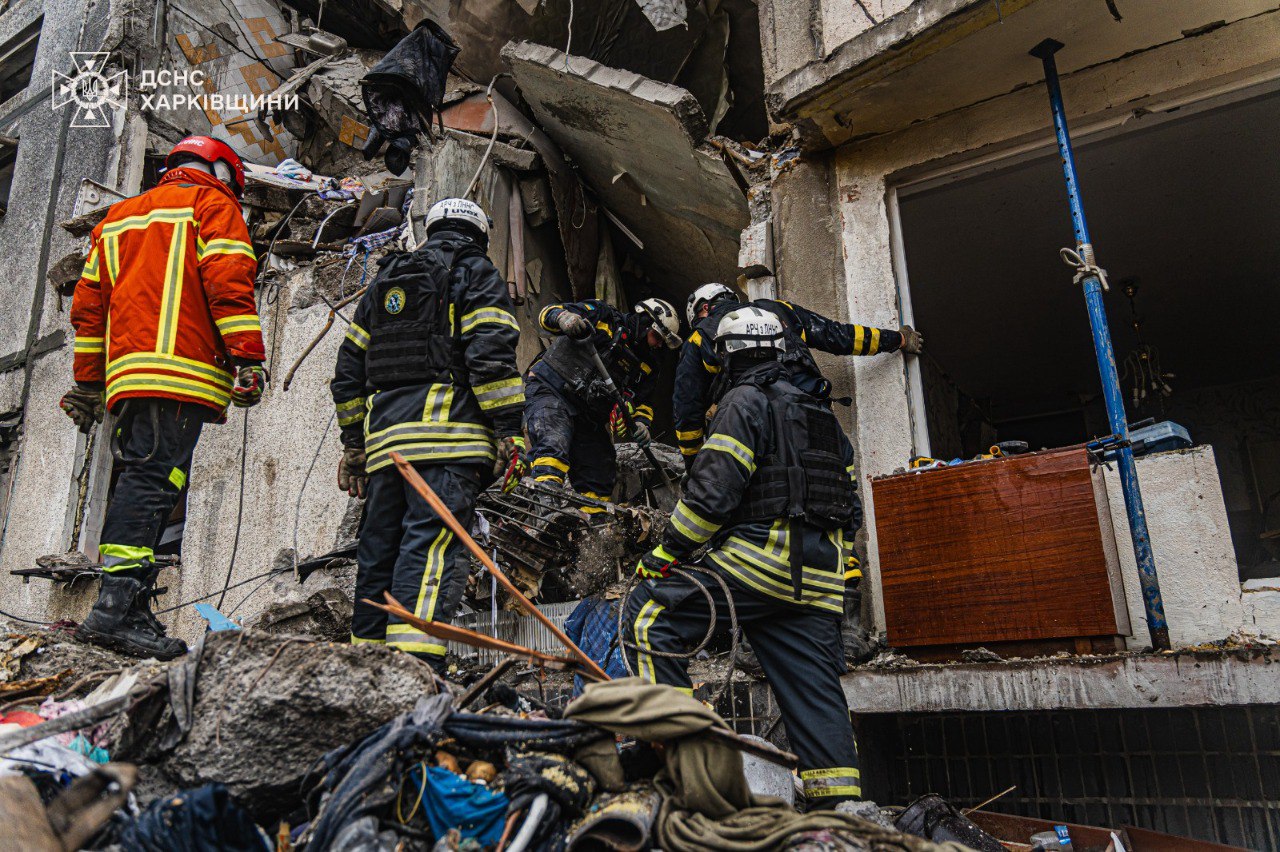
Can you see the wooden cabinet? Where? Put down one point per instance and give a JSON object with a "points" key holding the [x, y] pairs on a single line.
{"points": [[1012, 550]]}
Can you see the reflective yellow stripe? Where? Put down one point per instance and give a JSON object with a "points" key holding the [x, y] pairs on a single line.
{"points": [[357, 640], [405, 637], [542, 317], [432, 576], [213, 247], [171, 301], [550, 461], [710, 368], [90, 271], [779, 565], [422, 432], [691, 525], [112, 246], [691, 435], [550, 477], [167, 384], [645, 368], [500, 393], [122, 557], [488, 315], [831, 772], [178, 477], [640, 630], [439, 404], [836, 781], [740, 451], [351, 411], [177, 215], [238, 323], [696, 338], [358, 336], [88, 345], [644, 411], [761, 584], [875, 341], [176, 363], [430, 452]]}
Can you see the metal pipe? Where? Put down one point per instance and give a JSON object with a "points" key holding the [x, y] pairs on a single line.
{"points": [[1092, 278]]}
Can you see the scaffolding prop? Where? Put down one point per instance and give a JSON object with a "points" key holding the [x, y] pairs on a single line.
{"points": [[1094, 281]]}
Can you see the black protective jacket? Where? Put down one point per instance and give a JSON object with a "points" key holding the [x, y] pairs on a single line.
{"points": [[456, 418], [699, 364], [756, 554], [567, 366]]}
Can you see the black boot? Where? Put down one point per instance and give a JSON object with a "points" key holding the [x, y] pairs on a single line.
{"points": [[121, 621]]}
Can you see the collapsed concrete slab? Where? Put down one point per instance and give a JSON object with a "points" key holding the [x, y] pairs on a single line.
{"points": [[264, 710], [637, 143]]}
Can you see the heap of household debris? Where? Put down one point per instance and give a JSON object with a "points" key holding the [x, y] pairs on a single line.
{"points": [[252, 742]]}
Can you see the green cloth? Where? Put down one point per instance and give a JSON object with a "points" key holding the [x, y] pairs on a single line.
{"points": [[706, 803]]}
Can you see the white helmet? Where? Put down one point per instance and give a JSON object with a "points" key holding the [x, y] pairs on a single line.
{"points": [[458, 210], [665, 320], [749, 328], [707, 293]]}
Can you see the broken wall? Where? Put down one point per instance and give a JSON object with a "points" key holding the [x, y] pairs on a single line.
{"points": [[1109, 92]]}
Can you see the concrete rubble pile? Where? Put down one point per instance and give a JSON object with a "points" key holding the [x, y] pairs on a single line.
{"points": [[252, 742]]}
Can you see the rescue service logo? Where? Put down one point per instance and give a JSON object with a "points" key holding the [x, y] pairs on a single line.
{"points": [[394, 303], [91, 89]]}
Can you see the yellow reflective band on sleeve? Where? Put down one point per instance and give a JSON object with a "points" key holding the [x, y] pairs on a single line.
{"points": [[500, 393], [859, 340], [552, 462], [644, 411], [213, 247], [178, 477], [645, 368], [351, 411], [488, 315], [88, 345], [740, 451], [875, 342], [90, 271], [542, 317], [853, 574], [239, 323], [691, 525], [710, 368], [358, 336]]}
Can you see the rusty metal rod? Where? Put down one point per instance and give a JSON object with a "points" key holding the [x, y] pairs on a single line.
{"points": [[433, 500], [473, 692]]}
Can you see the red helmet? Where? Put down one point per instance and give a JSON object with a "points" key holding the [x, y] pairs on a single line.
{"points": [[211, 151]]}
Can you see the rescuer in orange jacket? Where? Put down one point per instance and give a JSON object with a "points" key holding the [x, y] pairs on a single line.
{"points": [[166, 327]]}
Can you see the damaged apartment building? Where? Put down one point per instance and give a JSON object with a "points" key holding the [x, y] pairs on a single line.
{"points": [[884, 162]]}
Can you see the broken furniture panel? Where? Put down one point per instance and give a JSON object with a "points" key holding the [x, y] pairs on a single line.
{"points": [[636, 142], [1011, 550]]}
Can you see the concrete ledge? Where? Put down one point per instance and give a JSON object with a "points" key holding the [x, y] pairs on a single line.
{"points": [[1187, 679]]}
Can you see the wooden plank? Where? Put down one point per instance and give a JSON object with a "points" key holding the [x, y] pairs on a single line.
{"points": [[998, 551]]}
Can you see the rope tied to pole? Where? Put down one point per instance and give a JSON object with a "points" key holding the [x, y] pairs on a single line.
{"points": [[1084, 268]]}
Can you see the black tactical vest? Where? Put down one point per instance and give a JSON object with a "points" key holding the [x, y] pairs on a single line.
{"points": [[571, 360], [410, 338], [804, 477]]}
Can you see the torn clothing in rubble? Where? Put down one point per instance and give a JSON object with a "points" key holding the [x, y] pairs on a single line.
{"points": [[567, 415], [363, 779], [405, 90], [707, 804], [202, 820], [699, 364]]}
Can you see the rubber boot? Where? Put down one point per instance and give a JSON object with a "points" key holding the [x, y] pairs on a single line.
{"points": [[118, 623]]}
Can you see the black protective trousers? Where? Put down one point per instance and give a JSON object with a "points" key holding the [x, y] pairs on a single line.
{"points": [[407, 550], [799, 649], [566, 440], [156, 438]]}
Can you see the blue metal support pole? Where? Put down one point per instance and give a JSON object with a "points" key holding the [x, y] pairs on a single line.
{"points": [[1093, 280]]}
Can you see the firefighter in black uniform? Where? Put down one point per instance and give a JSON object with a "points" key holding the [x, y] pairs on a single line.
{"points": [[778, 539], [698, 363], [428, 369], [570, 411]]}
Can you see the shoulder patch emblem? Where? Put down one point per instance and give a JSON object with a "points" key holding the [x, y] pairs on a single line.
{"points": [[394, 303]]}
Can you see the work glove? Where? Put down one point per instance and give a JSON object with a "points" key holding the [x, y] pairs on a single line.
{"points": [[84, 405], [251, 379], [573, 325], [568, 786], [351, 475], [912, 340], [655, 565], [512, 464], [640, 433]]}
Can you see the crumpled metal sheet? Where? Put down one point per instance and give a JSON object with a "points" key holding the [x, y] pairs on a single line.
{"points": [[664, 14]]}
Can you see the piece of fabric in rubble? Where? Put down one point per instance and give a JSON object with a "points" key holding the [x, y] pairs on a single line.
{"points": [[206, 819], [568, 787], [665, 14], [707, 804], [363, 779], [451, 801], [593, 627], [404, 90]]}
